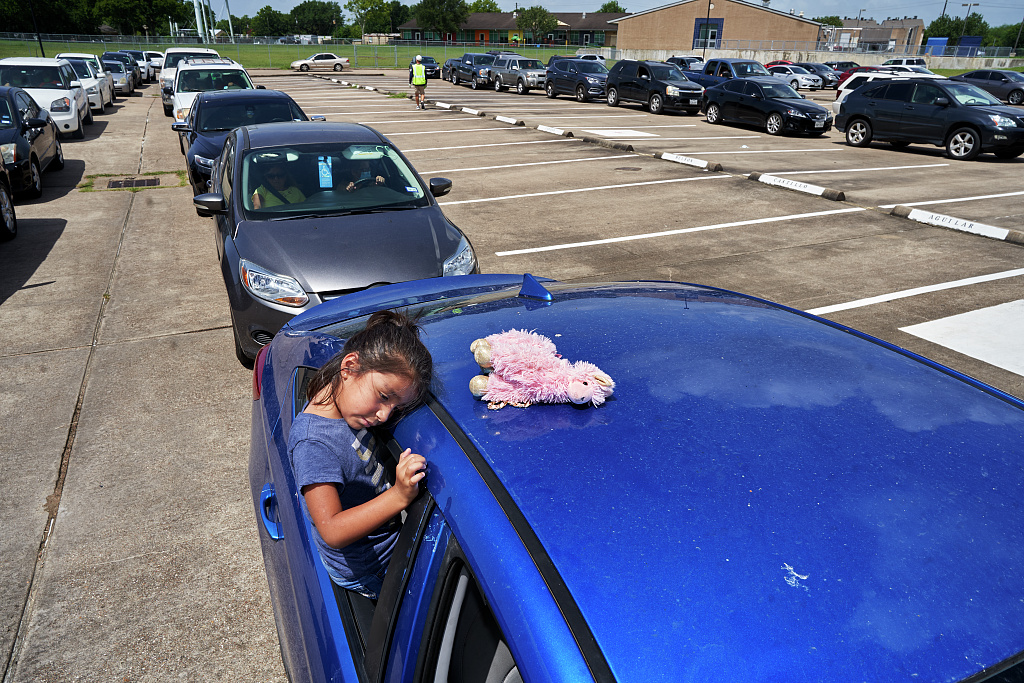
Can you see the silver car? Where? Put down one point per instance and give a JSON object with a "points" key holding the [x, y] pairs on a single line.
{"points": [[797, 76]]}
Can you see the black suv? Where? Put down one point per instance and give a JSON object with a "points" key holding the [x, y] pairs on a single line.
{"points": [[584, 78], [962, 117], [659, 85]]}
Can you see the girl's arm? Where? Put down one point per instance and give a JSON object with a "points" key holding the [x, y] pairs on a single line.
{"points": [[340, 527]]}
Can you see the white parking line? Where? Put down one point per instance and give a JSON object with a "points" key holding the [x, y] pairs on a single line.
{"points": [[952, 201], [414, 119], [581, 189], [493, 144], [883, 298], [859, 170], [770, 151], [709, 137], [671, 125], [666, 233], [534, 163], [594, 116], [503, 129]]}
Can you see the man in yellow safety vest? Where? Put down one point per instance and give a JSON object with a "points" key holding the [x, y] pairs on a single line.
{"points": [[418, 78]]}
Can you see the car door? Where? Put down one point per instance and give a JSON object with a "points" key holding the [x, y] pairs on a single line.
{"points": [[627, 81], [752, 103], [729, 98], [642, 84], [42, 140], [923, 120], [888, 107]]}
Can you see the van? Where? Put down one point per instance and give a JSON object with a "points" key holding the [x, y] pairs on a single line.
{"points": [[171, 58]]}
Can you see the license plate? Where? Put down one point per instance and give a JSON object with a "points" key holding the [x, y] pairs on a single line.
{"points": [[694, 101], [819, 124]]}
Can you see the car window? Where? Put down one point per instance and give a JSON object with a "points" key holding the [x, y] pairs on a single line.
{"points": [[749, 69], [899, 91], [530, 64], [733, 86], [970, 95], [876, 92], [483, 59], [642, 72], [36, 76], [779, 91], [218, 116], [227, 170], [667, 72], [332, 179], [1013, 76], [752, 89], [27, 107], [926, 93], [592, 68], [6, 115]]}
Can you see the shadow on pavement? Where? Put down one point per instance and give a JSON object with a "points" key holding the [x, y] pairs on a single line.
{"points": [[21, 257]]}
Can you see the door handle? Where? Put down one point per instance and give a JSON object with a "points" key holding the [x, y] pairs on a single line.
{"points": [[268, 510]]}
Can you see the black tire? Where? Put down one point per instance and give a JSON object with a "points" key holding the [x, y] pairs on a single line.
{"points": [[613, 97], [338, 67], [656, 104], [8, 217], [79, 133], [774, 124], [581, 93], [963, 144], [714, 113], [88, 115], [1008, 153], [858, 133], [795, 84], [549, 88], [304, 67], [497, 84], [35, 190], [521, 87], [473, 84], [168, 110], [1015, 97], [455, 78], [57, 163]]}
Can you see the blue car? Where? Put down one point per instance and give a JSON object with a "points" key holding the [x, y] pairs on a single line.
{"points": [[767, 496], [584, 78]]}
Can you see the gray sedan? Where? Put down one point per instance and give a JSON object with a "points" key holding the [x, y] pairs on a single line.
{"points": [[1006, 85], [307, 212]]}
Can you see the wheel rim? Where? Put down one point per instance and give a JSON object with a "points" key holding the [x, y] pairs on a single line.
{"points": [[304, 67], [37, 178], [337, 67], [520, 87], [613, 96], [961, 144], [1016, 97], [774, 123], [580, 94], [857, 133], [497, 85], [7, 210], [713, 113], [655, 104]]}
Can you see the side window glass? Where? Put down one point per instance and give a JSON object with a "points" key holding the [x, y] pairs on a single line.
{"points": [[709, 70], [226, 170], [752, 89], [926, 94], [899, 92], [878, 91], [642, 72], [573, 69]]}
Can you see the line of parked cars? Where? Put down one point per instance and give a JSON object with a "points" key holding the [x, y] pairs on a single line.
{"points": [[44, 99]]}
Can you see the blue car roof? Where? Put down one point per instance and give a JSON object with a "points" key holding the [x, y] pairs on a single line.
{"points": [[765, 497]]}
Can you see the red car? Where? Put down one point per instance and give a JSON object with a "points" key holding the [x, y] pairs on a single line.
{"points": [[779, 62], [846, 74]]}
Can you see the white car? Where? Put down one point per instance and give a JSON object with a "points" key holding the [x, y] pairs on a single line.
{"points": [[324, 60], [97, 64], [797, 76], [53, 85], [591, 55], [156, 60], [97, 89], [201, 75], [172, 57]]}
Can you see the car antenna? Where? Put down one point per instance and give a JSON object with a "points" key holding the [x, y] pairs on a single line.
{"points": [[533, 289]]}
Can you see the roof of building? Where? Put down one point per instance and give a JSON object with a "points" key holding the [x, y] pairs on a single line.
{"points": [[735, 2], [500, 21]]}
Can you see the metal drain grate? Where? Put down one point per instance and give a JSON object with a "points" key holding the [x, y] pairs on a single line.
{"points": [[133, 182]]}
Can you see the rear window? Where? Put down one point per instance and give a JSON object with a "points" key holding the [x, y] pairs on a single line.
{"points": [[224, 116], [171, 60], [201, 80], [42, 76]]}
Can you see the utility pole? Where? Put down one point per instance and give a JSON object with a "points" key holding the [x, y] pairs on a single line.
{"points": [[707, 31], [1018, 35], [968, 5], [944, 8]]}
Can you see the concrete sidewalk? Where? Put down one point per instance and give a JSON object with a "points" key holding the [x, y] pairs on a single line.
{"points": [[126, 414]]}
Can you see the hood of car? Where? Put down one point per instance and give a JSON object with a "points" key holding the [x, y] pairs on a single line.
{"points": [[765, 494], [349, 252], [803, 105], [684, 85], [1002, 110], [209, 145]]}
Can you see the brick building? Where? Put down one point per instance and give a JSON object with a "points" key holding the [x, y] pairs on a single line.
{"points": [[692, 24], [484, 28]]}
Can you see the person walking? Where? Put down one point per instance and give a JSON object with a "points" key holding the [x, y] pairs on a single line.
{"points": [[418, 78]]}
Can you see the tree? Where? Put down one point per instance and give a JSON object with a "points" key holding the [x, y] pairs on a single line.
{"points": [[269, 22], [316, 17], [442, 16], [954, 28], [483, 6], [612, 6], [369, 12], [537, 20], [129, 16], [1002, 36], [830, 20]]}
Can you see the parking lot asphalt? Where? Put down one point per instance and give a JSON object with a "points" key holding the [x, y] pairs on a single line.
{"points": [[129, 548]]}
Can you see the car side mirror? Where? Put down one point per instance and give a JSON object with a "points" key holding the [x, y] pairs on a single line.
{"points": [[35, 123], [439, 187], [261, 87], [180, 127], [75, 84], [942, 101], [210, 203]]}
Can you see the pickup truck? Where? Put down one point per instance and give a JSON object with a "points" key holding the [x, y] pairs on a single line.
{"points": [[720, 70], [474, 68], [516, 71]]}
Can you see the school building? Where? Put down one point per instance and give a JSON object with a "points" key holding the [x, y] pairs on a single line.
{"points": [[485, 28]]}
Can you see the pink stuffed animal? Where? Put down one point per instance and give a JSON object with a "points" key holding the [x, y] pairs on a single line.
{"points": [[525, 369]]}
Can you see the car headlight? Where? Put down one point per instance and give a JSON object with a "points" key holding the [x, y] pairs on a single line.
{"points": [[204, 162], [9, 152], [673, 91], [592, 80], [795, 112], [121, 80], [1003, 121], [93, 90], [462, 262], [63, 104], [269, 286], [182, 114]]}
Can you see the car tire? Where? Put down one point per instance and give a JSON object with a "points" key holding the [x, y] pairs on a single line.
{"points": [[473, 84], [8, 217], [521, 87], [613, 97], [79, 133], [549, 89], [964, 144], [581, 93], [35, 189], [714, 113], [338, 67], [88, 115], [168, 110], [455, 78], [1015, 97], [497, 84], [656, 104], [858, 133], [1008, 153], [774, 124], [304, 67], [57, 163], [795, 84]]}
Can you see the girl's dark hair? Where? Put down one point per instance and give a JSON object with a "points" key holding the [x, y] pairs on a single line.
{"points": [[390, 343]]}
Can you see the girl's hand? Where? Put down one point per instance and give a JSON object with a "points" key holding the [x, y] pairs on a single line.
{"points": [[410, 470]]}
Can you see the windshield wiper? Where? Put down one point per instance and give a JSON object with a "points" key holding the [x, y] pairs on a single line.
{"points": [[350, 212]]}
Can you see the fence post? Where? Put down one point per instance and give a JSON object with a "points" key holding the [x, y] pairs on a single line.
{"points": [[270, 59]]}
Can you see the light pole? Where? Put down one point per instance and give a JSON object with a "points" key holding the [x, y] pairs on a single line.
{"points": [[967, 16], [707, 31], [858, 17]]}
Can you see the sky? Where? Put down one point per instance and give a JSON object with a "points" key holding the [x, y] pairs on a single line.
{"points": [[996, 12]]}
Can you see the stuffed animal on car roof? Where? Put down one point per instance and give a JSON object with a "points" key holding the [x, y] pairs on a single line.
{"points": [[524, 368]]}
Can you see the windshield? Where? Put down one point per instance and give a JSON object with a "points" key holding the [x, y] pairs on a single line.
{"points": [[530, 64], [782, 91], [45, 77], [429, 60], [750, 69], [1013, 75], [667, 72], [327, 179], [171, 60], [201, 80], [483, 59], [591, 67], [113, 67], [971, 95], [6, 119], [799, 70], [217, 115]]}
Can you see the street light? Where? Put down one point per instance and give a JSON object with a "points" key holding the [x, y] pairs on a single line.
{"points": [[707, 31], [858, 16], [967, 16]]}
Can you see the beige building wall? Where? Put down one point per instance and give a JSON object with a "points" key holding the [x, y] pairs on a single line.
{"points": [[671, 28]]}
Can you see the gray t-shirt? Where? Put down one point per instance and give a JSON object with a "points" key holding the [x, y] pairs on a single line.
{"points": [[324, 450]]}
